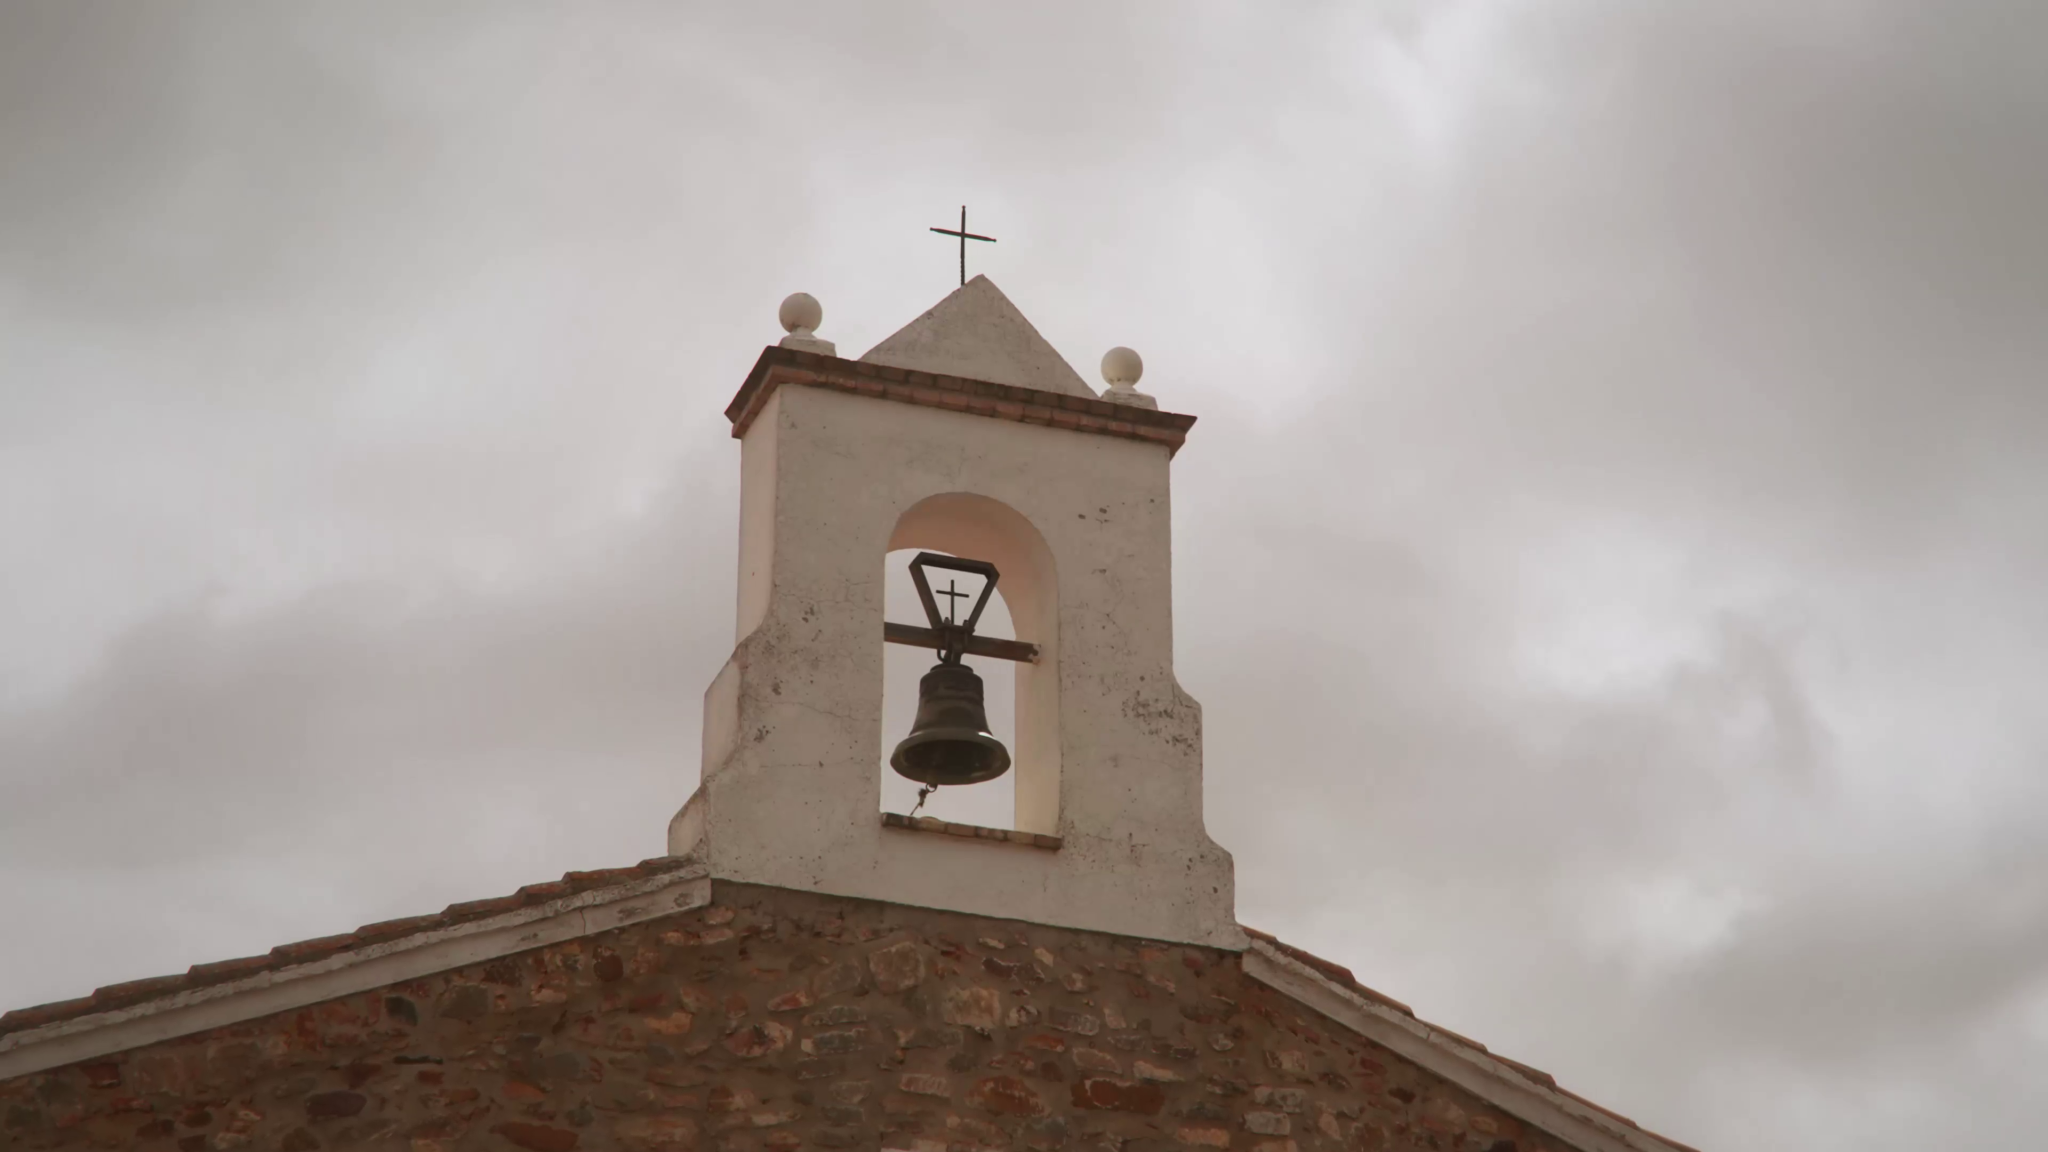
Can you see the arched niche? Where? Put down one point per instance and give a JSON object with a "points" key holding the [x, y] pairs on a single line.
{"points": [[965, 524]]}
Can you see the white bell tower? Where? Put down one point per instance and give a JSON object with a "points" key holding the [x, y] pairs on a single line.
{"points": [[963, 433]]}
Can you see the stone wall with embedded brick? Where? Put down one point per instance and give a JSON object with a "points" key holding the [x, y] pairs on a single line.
{"points": [[774, 1020]]}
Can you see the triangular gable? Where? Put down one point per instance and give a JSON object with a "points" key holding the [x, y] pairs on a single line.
{"points": [[977, 333], [600, 953]]}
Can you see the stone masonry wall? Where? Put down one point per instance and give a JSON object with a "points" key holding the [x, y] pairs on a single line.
{"points": [[772, 1021]]}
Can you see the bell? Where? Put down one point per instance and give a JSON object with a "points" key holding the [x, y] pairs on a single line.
{"points": [[949, 741]]}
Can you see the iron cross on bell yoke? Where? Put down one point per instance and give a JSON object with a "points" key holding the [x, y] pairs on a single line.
{"points": [[964, 236], [949, 741]]}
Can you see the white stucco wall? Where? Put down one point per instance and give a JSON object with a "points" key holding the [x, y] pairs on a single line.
{"points": [[1109, 751]]}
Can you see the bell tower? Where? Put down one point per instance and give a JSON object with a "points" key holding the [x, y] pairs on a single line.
{"points": [[967, 435]]}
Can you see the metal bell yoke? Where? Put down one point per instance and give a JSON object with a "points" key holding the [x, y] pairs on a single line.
{"points": [[949, 742]]}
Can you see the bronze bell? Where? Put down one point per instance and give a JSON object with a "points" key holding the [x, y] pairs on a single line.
{"points": [[949, 742]]}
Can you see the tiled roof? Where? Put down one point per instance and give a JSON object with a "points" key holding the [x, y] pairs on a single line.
{"points": [[115, 996], [1341, 976], [133, 992]]}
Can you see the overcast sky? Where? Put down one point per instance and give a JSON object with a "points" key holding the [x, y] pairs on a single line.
{"points": [[1609, 558]]}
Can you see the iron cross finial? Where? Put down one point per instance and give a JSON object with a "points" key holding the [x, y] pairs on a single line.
{"points": [[964, 236]]}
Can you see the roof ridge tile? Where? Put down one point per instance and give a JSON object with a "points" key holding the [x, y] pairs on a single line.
{"points": [[219, 970], [36, 1015], [470, 909], [545, 890], [402, 926], [134, 991], [303, 951], [600, 877]]}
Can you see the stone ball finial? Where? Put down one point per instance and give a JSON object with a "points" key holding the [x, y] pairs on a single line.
{"points": [[800, 315], [1121, 368]]}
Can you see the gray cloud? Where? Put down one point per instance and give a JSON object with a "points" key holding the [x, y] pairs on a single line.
{"points": [[1607, 557]]}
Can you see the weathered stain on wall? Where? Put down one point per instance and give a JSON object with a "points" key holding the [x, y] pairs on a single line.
{"points": [[774, 1020]]}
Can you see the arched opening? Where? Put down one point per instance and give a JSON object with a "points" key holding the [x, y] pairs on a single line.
{"points": [[1022, 698]]}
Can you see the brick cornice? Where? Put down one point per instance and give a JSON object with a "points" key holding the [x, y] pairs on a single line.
{"points": [[779, 366]]}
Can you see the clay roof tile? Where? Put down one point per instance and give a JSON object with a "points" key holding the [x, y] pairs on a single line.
{"points": [[38, 1015], [601, 877], [392, 929], [549, 890], [471, 909], [304, 951], [219, 970], [1534, 1075], [133, 991]]}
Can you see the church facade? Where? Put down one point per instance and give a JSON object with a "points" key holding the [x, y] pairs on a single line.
{"points": [[801, 970]]}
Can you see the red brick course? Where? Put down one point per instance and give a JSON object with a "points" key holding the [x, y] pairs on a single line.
{"points": [[779, 366]]}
